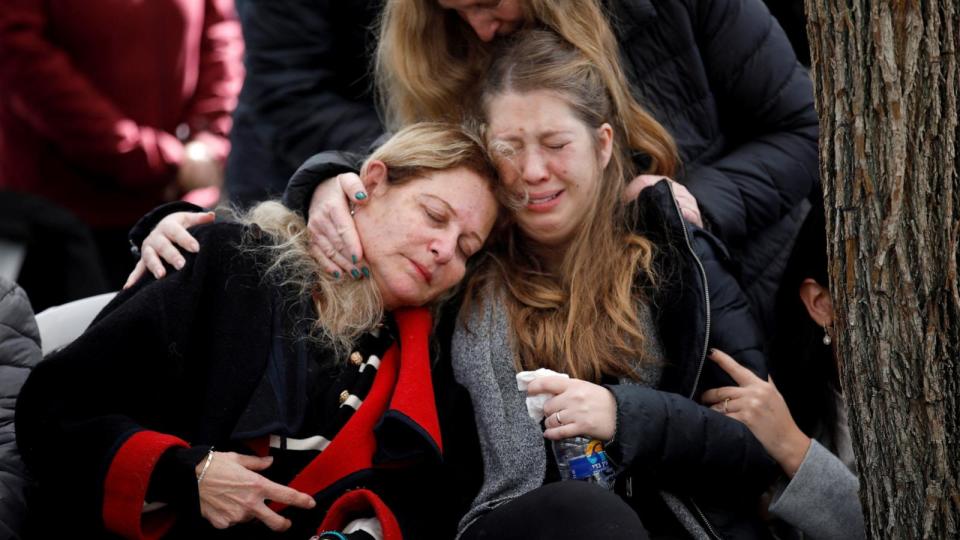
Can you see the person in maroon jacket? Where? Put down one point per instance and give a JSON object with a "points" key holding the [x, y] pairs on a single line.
{"points": [[111, 107]]}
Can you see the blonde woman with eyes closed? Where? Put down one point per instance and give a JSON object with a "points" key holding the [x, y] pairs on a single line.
{"points": [[252, 394]]}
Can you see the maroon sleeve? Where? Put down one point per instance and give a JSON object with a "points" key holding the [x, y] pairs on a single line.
{"points": [[59, 102], [221, 76]]}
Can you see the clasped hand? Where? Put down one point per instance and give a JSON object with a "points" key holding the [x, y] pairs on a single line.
{"points": [[585, 409]]}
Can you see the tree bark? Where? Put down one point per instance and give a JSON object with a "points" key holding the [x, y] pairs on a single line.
{"points": [[886, 77]]}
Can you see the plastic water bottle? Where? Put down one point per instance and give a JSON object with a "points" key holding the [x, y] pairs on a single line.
{"points": [[581, 458]]}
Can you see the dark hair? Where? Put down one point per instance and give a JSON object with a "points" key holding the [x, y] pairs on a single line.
{"points": [[804, 369]]}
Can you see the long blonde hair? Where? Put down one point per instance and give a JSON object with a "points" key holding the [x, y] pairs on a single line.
{"points": [[582, 317], [345, 308], [428, 60]]}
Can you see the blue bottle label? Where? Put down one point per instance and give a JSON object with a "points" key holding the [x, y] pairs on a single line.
{"points": [[592, 463]]}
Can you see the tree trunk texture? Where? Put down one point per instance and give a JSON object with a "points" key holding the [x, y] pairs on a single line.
{"points": [[886, 77]]}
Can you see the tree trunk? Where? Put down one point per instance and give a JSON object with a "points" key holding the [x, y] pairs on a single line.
{"points": [[886, 77]]}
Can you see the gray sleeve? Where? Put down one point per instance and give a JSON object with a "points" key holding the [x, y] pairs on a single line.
{"points": [[822, 498], [19, 352], [511, 443]]}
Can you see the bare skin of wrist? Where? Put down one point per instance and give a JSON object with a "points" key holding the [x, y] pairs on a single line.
{"points": [[791, 451]]}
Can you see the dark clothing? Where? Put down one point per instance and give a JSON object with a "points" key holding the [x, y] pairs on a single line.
{"points": [[668, 442], [19, 353], [790, 15], [61, 260], [560, 511], [214, 355], [723, 79], [307, 89], [114, 251]]}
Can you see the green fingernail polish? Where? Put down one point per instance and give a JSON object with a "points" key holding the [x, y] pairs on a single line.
{"points": [[354, 257], [366, 271], [336, 275], [360, 196], [355, 274]]}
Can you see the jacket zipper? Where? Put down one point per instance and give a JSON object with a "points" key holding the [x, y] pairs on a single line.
{"points": [[706, 293], [710, 530], [706, 340]]}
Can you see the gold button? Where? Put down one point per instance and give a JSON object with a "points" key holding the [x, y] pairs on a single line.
{"points": [[343, 397], [355, 358]]}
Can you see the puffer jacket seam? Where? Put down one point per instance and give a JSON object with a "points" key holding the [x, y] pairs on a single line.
{"points": [[755, 49]]}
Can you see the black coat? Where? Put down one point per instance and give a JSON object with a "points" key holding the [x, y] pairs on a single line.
{"points": [[306, 90], [180, 362], [722, 77], [664, 439]]}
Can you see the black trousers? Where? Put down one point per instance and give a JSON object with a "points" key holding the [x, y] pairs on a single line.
{"points": [[558, 511]]}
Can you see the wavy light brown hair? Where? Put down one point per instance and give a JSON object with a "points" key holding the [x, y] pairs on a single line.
{"points": [[428, 60], [345, 309], [580, 318]]}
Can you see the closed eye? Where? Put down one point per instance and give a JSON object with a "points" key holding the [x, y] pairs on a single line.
{"points": [[435, 216]]}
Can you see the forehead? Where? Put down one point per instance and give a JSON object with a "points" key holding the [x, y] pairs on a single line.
{"points": [[468, 193], [513, 113]]}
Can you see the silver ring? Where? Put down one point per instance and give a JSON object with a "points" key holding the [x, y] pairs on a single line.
{"points": [[725, 405], [559, 421]]}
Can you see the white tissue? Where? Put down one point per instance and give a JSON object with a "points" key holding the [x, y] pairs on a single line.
{"points": [[535, 403]]}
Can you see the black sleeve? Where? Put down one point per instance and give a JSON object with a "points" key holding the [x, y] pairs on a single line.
{"points": [[685, 448], [174, 479], [302, 57], [765, 98]]}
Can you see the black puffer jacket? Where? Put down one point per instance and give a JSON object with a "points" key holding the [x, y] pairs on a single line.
{"points": [[667, 440], [19, 353], [722, 77], [306, 90]]}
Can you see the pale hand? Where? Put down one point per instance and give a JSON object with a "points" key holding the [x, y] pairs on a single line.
{"points": [[758, 404], [685, 200], [159, 246], [585, 408], [233, 492], [334, 241]]}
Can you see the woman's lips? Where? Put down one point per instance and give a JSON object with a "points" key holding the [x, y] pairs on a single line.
{"points": [[426, 274], [545, 201]]}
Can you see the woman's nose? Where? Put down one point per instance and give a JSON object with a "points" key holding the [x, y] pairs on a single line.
{"points": [[444, 247], [534, 167]]}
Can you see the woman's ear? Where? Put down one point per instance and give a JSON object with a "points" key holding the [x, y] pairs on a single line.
{"points": [[605, 144], [816, 298], [374, 176]]}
